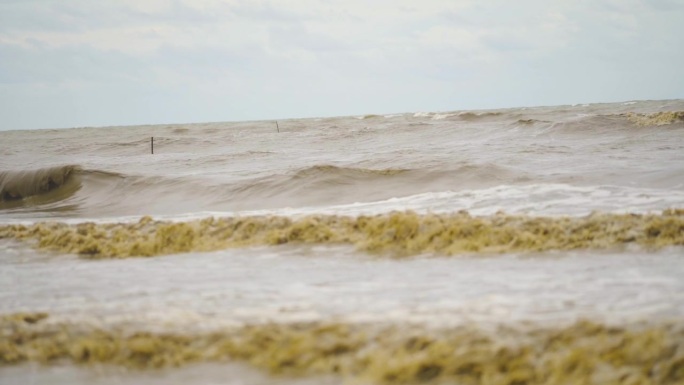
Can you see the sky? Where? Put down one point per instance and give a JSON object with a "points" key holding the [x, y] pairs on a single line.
{"points": [[74, 63]]}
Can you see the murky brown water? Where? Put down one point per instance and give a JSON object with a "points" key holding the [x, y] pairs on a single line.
{"points": [[541, 164]]}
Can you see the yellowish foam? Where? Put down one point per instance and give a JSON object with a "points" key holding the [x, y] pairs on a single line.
{"points": [[396, 234], [582, 353], [656, 119]]}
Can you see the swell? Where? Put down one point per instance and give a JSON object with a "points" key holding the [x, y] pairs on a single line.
{"points": [[330, 185]]}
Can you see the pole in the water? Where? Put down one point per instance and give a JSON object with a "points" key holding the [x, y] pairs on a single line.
{"points": [[152, 145], [277, 128]]}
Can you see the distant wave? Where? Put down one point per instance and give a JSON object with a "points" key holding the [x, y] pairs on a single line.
{"points": [[470, 116], [465, 116], [568, 123], [371, 116], [592, 121], [593, 124]]}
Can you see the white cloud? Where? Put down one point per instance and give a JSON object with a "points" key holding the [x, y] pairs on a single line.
{"points": [[315, 57]]}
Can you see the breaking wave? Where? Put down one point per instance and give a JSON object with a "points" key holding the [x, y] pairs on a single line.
{"points": [[58, 189], [18, 185]]}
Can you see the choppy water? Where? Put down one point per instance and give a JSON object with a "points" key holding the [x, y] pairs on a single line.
{"points": [[539, 162]]}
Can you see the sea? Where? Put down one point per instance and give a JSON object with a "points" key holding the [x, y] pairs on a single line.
{"points": [[538, 245]]}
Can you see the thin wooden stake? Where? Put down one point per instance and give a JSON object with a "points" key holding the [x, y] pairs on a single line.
{"points": [[152, 145], [277, 128]]}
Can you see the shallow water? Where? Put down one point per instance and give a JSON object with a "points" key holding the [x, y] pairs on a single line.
{"points": [[318, 283], [198, 374]]}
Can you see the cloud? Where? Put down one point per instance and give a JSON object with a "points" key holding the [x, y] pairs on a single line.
{"points": [[313, 57]]}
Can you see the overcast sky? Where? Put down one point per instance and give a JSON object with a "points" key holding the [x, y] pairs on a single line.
{"points": [[67, 63]]}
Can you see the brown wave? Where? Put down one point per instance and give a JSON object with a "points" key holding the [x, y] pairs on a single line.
{"points": [[58, 189], [324, 185], [396, 234], [584, 352], [17, 185], [327, 184]]}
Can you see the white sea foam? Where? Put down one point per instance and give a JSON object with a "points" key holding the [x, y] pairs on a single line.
{"points": [[535, 200], [441, 116]]}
